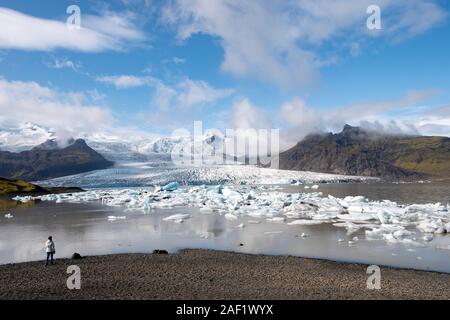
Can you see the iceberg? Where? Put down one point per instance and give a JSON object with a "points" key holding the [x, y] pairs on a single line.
{"points": [[382, 220], [171, 186]]}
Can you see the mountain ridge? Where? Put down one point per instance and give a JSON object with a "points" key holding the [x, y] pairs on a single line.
{"points": [[47, 161], [356, 151]]}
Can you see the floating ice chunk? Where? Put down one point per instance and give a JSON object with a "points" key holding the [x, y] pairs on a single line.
{"points": [[114, 218], [429, 226], [401, 233], [304, 235], [180, 217], [341, 240], [306, 187], [427, 237], [229, 193], [241, 226], [9, 216], [277, 219], [23, 199], [171, 186], [230, 216], [351, 199], [315, 186], [304, 222]]}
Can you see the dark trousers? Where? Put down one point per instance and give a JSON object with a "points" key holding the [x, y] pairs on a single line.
{"points": [[50, 256]]}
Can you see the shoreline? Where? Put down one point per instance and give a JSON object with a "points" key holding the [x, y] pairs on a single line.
{"points": [[207, 274]]}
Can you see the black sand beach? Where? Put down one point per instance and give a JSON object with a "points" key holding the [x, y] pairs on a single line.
{"points": [[202, 274]]}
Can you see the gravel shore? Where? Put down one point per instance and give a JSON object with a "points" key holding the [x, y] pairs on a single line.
{"points": [[203, 274]]}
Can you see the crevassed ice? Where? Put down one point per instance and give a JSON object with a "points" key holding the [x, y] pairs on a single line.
{"points": [[381, 220]]}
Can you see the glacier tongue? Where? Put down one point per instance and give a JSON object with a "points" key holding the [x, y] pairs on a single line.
{"points": [[382, 220], [144, 174]]}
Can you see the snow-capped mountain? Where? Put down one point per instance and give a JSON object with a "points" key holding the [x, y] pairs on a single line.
{"points": [[24, 137], [131, 149], [154, 150]]}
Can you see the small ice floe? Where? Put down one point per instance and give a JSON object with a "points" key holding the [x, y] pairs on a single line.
{"points": [[428, 237], [171, 186], [304, 235], [353, 241], [277, 219], [304, 222], [178, 218], [114, 218], [382, 220], [419, 258], [9, 216], [341, 240], [273, 232], [24, 199], [241, 226], [230, 216], [315, 187]]}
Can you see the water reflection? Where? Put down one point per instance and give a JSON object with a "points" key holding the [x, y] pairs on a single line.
{"points": [[84, 228], [6, 203]]}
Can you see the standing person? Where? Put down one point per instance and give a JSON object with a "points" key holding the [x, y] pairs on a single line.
{"points": [[50, 249]]}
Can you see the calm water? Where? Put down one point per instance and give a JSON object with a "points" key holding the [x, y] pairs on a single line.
{"points": [[84, 228], [403, 193]]}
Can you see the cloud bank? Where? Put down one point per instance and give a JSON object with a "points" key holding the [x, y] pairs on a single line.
{"points": [[107, 31], [278, 41]]}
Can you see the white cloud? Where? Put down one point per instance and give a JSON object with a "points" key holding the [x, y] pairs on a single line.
{"points": [[278, 41], [64, 63], [108, 31], [404, 115], [192, 93], [178, 60], [185, 93], [163, 96], [65, 112], [245, 115], [125, 81]]}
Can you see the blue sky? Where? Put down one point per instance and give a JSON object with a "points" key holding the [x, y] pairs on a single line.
{"points": [[142, 66]]}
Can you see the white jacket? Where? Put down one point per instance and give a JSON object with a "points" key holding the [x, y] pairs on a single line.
{"points": [[49, 246]]}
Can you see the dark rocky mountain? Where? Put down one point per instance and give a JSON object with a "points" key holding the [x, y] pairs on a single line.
{"points": [[356, 151], [47, 161]]}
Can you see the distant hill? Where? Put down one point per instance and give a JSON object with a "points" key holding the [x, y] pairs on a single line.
{"points": [[356, 151], [48, 161]]}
